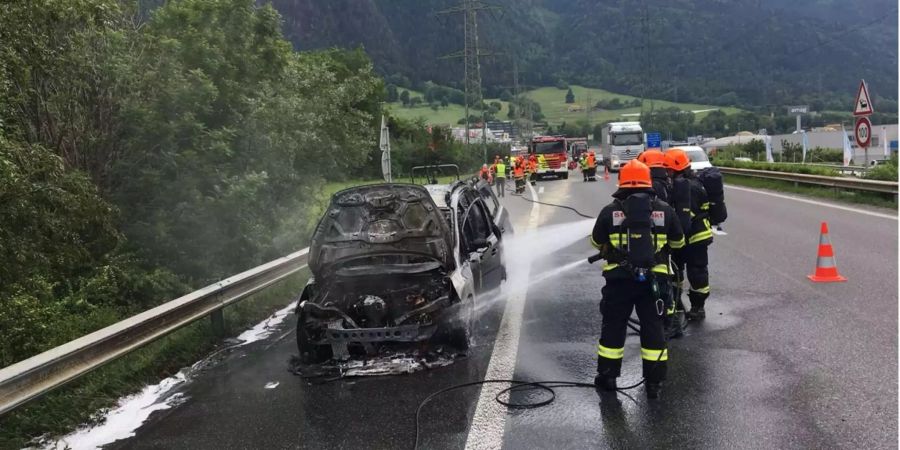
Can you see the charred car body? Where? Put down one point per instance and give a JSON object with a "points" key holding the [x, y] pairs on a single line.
{"points": [[395, 264]]}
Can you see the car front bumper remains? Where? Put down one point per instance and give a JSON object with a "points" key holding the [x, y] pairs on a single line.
{"points": [[339, 337]]}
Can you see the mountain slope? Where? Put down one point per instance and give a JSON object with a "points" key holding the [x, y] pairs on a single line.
{"points": [[763, 52]]}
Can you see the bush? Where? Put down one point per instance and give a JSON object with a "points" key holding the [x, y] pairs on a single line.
{"points": [[779, 167], [884, 172]]}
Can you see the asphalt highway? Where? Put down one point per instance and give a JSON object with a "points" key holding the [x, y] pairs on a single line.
{"points": [[780, 362]]}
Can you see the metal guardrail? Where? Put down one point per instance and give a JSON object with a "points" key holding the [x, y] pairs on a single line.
{"points": [[35, 376], [855, 184]]}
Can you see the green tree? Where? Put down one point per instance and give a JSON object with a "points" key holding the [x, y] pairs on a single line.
{"points": [[392, 95], [404, 97], [570, 96], [230, 135]]}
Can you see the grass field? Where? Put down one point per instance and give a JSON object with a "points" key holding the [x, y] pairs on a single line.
{"points": [[554, 107], [448, 115], [556, 110]]}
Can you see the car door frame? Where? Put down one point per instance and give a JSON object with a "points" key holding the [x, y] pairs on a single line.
{"points": [[490, 274]]}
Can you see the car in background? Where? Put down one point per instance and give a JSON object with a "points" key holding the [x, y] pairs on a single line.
{"points": [[696, 154], [743, 159], [397, 265]]}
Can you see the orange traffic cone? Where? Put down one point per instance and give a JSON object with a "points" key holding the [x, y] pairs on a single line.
{"points": [[605, 173], [826, 269]]}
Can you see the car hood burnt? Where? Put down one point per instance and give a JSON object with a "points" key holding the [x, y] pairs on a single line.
{"points": [[380, 224]]}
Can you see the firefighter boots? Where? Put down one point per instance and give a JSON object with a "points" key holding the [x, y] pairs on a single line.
{"points": [[653, 390], [697, 313], [605, 383]]}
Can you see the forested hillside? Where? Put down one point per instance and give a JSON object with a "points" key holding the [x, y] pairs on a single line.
{"points": [[759, 53], [140, 159]]}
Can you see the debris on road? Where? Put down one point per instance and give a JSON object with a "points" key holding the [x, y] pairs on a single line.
{"points": [[389, 364]]}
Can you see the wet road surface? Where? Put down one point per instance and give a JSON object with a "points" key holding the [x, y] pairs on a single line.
{"points": [[779, 363]]}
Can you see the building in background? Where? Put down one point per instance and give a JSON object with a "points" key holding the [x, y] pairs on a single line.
{"points": [[822, 137]]}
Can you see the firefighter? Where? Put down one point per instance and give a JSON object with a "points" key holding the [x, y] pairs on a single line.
{"points": [[582, 163], [674, 322], [690, 199], [532, 169], [519, 176], [591, 163], [500, 177], [485, 173], [656, 161], [634, 234]]}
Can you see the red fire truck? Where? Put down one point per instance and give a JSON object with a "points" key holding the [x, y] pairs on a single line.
{"points": [[552, 155]]}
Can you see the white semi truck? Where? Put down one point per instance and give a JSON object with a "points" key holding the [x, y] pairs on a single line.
{"points": [[620, 143]]}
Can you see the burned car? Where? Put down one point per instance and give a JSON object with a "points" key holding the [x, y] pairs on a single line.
{"points": [[392, 268]]}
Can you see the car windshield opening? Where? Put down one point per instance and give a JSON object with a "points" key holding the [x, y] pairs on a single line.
{"points": [[628, 139], [550, 147]]}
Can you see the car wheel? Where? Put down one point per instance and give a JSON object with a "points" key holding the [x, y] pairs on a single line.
{"points": [[565, 176], [310, 353], [462, 331]]}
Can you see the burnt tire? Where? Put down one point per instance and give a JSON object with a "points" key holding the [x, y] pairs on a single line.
{"points": [[462, 329], [310, 353]]}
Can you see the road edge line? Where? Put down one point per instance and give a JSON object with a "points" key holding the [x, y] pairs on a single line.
{"points": [[489, 421]]}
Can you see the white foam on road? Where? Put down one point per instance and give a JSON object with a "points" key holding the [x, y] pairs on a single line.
{"points": [[265, 328], [815, 202], [122, 421], [486, 431], [132, 411]]}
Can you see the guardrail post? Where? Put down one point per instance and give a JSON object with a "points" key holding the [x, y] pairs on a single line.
{"points": [[218, 322]]}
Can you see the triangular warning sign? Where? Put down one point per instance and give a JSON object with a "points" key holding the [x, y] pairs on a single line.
{"points": [[863, 105]]}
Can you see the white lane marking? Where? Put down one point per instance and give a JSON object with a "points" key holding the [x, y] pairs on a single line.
{"points": [[815, 202], [486, 431], [540, 190]]}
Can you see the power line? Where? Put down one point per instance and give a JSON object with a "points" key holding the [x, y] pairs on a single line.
{"points": [[471, 54]]}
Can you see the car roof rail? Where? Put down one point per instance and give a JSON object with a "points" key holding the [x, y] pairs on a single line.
{"points": [[431, 172]]}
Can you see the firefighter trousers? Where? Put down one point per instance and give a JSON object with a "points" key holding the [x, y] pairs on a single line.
{"points": [[620, 297], [693, 259]]}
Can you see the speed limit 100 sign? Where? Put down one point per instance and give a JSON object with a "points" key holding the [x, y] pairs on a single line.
{"points": [[863, 132]]}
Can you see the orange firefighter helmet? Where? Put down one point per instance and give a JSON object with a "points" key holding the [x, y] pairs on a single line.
{"points": [[653, 158], [677, 159], [634, 174]]}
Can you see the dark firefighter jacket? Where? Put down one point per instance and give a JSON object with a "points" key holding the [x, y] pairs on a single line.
{"points": [[661, 183], [610, 239], [701, 230]]}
